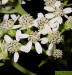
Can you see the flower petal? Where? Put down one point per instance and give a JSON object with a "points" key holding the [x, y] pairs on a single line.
{"points": [[49, 15], [49, 51], [58, 4], [56, 20], [44, 40], [38, 47], [40, 15], [6, 17], [16, 26], [16, 56], [27, 47], [49, 8], [67, 10], [23, 36], [18, 34], [14, 17], [7, 39]]}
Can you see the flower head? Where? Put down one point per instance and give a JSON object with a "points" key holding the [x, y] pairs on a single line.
{"points": [[52, 51], [57, 53], [54, 37], [26, 21]]}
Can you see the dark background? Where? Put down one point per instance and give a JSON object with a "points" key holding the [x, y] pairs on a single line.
{"points": [[31, 60]]}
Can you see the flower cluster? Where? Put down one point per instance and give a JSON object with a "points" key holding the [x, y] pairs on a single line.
{"points": [[46, 32]]}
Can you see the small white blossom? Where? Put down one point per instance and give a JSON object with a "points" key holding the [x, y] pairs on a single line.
{"points": [[57, 53], [56, 11], [13, 46], [34, 37], [26, 21], [53, 37], [52, 51]]}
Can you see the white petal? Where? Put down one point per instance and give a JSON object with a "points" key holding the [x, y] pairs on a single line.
{"points": [[51, 9], [67, 10], [4, 1], [40, 15], [44, 40], [49, 16], [50, 46], [6, 17], [58, 4], [14, 17], [23, 36], [27, 47], [56, 20], [16, 56], [18, 34], [46, 30], [49, 51], [7, 39], [55, 26], [16, 26], [35, 23], [38, 47]]}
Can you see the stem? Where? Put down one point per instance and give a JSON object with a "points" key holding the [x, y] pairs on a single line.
{"points": [[69, 4], [22, 69], [18, 9]]}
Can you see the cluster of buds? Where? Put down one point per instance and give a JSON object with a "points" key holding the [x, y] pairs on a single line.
{"points": [[46, 32]]}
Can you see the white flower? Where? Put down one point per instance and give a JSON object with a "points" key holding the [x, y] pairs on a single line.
{"points": [[9, 23], [53, 37], [25, 22], [34, 37], [13, 46], [57, 53], [52, 51], [19, 35], [4, 1], [42, 23], [57, 11]]}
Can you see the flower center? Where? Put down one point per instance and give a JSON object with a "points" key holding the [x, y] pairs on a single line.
{"points": [[13, 46], [50, 2], [58, 12], [34, 37], [26, 21], [42, 22], [57, 53], [5, 25], [54, 37]]}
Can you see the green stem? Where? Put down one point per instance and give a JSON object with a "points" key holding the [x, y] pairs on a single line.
{"points": [[69, 4], [18, 9], [22, 69]]}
